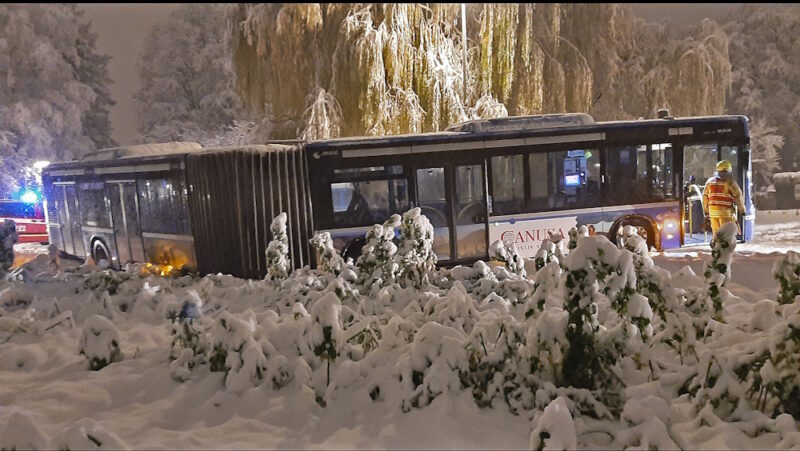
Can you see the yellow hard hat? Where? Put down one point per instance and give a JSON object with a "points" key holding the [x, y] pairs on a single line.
{"points": [[724, 166]]}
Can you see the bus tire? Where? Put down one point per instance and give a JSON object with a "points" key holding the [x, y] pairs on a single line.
{"points": [[643, 223], [100, 252]]}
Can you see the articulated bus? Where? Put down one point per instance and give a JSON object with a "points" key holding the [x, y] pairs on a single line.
{"points": [[515, 179]]}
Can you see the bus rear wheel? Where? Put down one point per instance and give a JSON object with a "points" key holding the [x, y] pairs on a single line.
{"points": [[100, 253], [644, 228]]}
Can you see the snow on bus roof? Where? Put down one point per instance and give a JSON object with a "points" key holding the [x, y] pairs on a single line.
{"points": [[513, 123], [140, 150]]}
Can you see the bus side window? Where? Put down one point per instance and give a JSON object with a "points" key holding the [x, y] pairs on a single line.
{"points": [[163, 205], [94, 204], [508, 187], [367, 202]]}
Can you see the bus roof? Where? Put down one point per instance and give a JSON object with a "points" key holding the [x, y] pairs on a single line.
{"points": [[142, 150], [518, 127]]}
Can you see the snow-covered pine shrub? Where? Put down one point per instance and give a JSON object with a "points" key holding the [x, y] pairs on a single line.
{"points": [[651, 281], [546, 344], [376, 265], [554, 428], [326, 329], [546, 284], [278, 250], [551, 250], [415, 254], [773, 376], [236, 352], [190, 339], [433, 365], [495, 367], [329, 259], [597, 261], [718, 271], [509, 255], [106, 280], [8, 237], [787, 272], [580, 298], [99, 342], [575, 234]]}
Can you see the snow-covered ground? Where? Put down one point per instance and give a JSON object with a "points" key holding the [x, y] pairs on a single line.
{"points": [[405, 390]]}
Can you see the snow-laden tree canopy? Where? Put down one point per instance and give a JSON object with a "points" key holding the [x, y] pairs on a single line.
{"points": [[765, 83], [187, 91], [351, 69], [54, 96]]}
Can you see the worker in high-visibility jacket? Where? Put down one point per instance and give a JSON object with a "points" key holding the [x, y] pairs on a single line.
{"points": [[721, 195]]}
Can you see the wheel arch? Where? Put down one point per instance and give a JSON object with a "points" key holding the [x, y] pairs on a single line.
{"points": [[638, 220]]}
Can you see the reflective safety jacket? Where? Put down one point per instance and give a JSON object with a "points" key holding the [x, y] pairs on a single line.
{"points": [[720, 195]]}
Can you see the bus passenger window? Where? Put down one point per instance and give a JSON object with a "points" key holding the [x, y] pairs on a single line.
{"points": [[627, 181], [367, 202], [163, 205], [508, 186], [564, 179], [94, 204]]}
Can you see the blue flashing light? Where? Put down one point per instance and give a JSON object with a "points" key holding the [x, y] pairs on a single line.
{"points": [[29, 197]]}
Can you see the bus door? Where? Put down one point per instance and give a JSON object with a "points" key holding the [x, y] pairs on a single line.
{"points": [[699, 164], [125, 217], [65, 196], [453, 197]]}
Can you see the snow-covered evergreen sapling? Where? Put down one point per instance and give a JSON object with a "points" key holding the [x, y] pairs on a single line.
{"points": [[278, 250], [787, 272], [236, 352], [509, 255], [415, 255], [377, 266], [326, 331], [554, 427], [328, 259], [8, 237], [575, 234], [99, 342], [190, 339], [718, 271], [551, 250]]}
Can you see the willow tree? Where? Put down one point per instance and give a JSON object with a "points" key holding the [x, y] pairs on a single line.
{"points": [[322, 70]]}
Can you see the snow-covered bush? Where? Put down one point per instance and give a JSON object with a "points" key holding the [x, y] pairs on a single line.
{"points": [[718, 270], [551, 250], [326, 332], [278, 250], [787, 272], [329, 259], [377, 266], [236, 352], [8, 237], [509, 255], [190, 339], [554, 428], [575, 234], [433, 365], [596, 263], [99, 342], [651, 281], [106, 280], [415, 254]]}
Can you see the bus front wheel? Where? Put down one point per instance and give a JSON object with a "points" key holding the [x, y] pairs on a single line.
{"points": [[644, 226]]}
